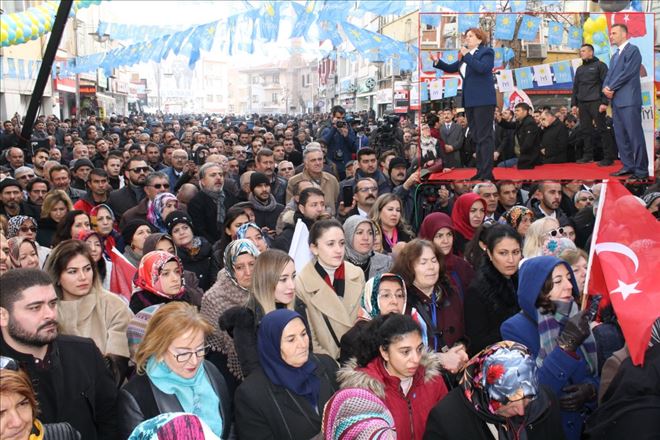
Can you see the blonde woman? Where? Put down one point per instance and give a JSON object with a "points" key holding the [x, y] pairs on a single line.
{"points": [[85, 308], [55, 207], [273, 287], [173, 375], [387, 213], [538, 232]]}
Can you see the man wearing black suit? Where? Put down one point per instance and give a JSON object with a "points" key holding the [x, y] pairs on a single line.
{"points": [[135, 175], [452, 135]]}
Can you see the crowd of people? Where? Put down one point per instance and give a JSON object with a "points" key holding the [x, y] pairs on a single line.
{"points": [[465, 323]]}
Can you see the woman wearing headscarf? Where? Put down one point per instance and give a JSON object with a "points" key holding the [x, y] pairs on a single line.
{"points": [[558, 336], [438, 228], [519, 218], [499, 397], [159, 280], [252, 232], [360, 233], [356, 413], [194, 251], [23, 253], [103, 221], [467, 214], [284, 400], [231, 289], [158, 210], [26, 227], [163, 242], [383, 294]]}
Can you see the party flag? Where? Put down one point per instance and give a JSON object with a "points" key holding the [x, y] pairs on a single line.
{"points": [[504, 81], [542, 75], [574, 37], [424, 92], [450, 56], [435, 89], [529, 27], [646, 98], [562, 71], [467, 21], [305, 17], [518, 5], [451, 88], [555, 33], [505, 26], [524, 78]]}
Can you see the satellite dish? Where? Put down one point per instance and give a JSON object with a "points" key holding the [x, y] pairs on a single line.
{"points": [[613, 5]]}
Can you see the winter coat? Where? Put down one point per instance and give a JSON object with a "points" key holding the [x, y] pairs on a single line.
{"points": [[201, 264], [142, 299], [559, 368], [555, 142], [409, 411], [329, 315], [141, 400], [203, 210], [384, 185], [528, 136], [101, 316], [265, 411], [451, 327], [46, 231], [455, 418], [491, 300], [631, 404], [588, 82]]}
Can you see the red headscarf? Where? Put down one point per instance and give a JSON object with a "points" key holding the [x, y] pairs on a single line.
{"points": [[433, 223], [148, 273], [460, 214]]}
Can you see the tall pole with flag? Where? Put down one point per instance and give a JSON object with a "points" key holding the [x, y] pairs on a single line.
{"points": [[624, 264]]}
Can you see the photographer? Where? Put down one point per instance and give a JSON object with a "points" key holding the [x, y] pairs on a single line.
{"points": [[388, 136], [341, 140]]}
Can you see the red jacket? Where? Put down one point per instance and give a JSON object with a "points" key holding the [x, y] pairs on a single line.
{"points": [[409, 411]]}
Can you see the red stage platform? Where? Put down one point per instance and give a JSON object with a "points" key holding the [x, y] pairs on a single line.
{"points": [[564, 171]]}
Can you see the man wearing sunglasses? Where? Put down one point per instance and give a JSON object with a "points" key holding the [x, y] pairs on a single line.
{"points": [[155, 183], [135, 175], [69, 374]]}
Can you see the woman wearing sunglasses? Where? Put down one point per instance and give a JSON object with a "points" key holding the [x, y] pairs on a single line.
{"points": [[173, 375], [539, 233], [26, 227], [19, 409]]}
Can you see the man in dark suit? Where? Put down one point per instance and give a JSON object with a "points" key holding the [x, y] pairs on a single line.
{"points": [[452, 135], [476, 68], [623, 88], [209, 206], [135, 175]]}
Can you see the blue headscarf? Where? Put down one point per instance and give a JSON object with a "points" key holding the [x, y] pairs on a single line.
{"points": [[300, 381]]}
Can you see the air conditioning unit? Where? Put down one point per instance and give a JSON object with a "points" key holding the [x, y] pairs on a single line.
{"points": [[536, 51]]}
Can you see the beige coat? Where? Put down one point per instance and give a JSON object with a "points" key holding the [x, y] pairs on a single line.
{"points": [[329, 186], [101, 316], [320, 299]]}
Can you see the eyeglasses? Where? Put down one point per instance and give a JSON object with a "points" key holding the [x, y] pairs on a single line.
{"points": [[28, 229], [160, 185], [388, 296], [185, 357], [584, 199], [139, 170], [556, 232], [7, 363], [368, 189]]}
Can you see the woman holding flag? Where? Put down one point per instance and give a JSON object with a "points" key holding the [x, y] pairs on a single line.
{"points": [[476, 68]]}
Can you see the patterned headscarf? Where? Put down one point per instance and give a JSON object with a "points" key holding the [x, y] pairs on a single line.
{"points": [[235, 249], [14, 244], [499, 374], [155, 210], [14, 224], [93, 216], [357, 413], [148, 273], [370, 308], [242, 230], [514, 216]]}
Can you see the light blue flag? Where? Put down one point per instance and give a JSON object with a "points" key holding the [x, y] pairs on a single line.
{"points": [[499, 57], [328, 31], [555, 33], [449, 56], [269, 20], [432, 20], [505, 26], [574, 37], [529, 27], [21, 69], [562, 71], [334, 11], [524, 78], [518, 5], [305, 16], [646, 98], [657, 66], [467, 21], [451, 88], [392, 7], [427, 64], [508, 54], [424, 92], [367, 43], [490, 5]]}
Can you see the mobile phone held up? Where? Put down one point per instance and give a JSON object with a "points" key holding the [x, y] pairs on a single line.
{"points": [[347, 195]]}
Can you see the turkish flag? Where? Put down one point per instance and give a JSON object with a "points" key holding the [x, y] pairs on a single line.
{"points": [[121, 278], [635, 21], [623, 264]]}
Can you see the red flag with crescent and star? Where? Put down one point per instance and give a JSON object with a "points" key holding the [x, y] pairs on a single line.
{"points": [[634, 21], [624, 264]]}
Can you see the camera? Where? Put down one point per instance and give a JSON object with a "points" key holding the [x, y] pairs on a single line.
{"points": [[340, 124]]}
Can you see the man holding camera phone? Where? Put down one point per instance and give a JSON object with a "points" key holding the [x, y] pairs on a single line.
{"points": [[341, 140]]}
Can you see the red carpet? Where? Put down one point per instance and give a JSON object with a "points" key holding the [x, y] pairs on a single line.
{"points": [[565, 171]]}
